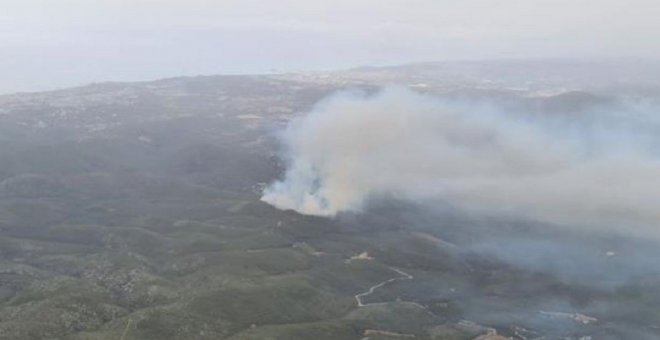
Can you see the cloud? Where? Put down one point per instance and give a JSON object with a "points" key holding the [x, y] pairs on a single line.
{"points": [[588, 168]]}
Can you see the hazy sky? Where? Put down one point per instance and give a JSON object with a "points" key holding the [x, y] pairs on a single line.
{"points": [[54, 43]]}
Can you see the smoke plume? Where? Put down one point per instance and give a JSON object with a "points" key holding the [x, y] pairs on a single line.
{"points": [[593, 167]]}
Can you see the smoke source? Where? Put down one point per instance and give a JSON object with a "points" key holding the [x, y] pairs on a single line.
{"points": [[594, 167]]}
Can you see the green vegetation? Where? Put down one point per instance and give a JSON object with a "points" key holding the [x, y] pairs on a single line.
{"points": [[135, 215]]}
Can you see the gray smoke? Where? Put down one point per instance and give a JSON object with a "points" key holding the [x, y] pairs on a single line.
{"points": [[592, 168]]}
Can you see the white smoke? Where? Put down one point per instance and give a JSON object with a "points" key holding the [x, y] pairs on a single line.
{"points": [[570, 170]]}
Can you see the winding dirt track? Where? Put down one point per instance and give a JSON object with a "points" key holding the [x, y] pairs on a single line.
{"points": [[402, 276]]}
